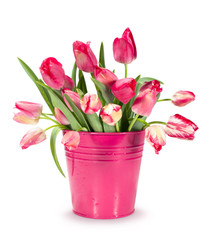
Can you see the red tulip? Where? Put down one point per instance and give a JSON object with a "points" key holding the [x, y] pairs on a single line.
{"points": [[68, 83], [147, 97], [182, 98], [111, 114], [74, 97], [29, 112], [90, 103], [156, 136], [125, 48], [52, 73], [71, 140], [124, 89], [32, 137], [85, 58], [104, 76], [180, 127], [60, 117]]}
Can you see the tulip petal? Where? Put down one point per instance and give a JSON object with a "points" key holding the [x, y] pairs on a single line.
{"points": [[71, 140], [182, 98]]}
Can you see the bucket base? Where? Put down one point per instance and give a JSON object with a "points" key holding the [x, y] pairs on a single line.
{"points": [[111, 217]]}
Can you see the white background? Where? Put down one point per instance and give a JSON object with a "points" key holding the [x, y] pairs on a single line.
{"points": [[173, 45]]}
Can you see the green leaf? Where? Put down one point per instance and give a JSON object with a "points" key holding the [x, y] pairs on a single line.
{"points": [[101, 56], [108, 128], [81, 84], [148, 79], [123, 123], [53, 137], [138, 126], [80, 93], [34, 78], [74, 75], [94, 122]]}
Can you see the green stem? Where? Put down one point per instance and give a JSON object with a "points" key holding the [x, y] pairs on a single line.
{"points": [[57, 125], [163, 100], [126, 70], [132, 123], [48, 118], [141, 120], [157, 122], [117, 127]]}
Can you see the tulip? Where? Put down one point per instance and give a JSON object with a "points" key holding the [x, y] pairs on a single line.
{"points": [[124, 89], [52, 73], [60, 117], [125, 48], [32, 137], [71, 140], [182, 98], [180, 127], [147, 98], [74, 97], [90, 103], [104, 76], [29, 112], [111, 114], [68, 83], [156, 136], [85, 58]]}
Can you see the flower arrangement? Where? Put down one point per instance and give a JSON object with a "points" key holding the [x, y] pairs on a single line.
{"points": [[120, 105]]}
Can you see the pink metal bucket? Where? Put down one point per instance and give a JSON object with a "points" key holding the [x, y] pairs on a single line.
{"points": [[103, 173]]}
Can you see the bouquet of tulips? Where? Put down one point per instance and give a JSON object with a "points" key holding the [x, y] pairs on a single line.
{"points": [[120, 105]]}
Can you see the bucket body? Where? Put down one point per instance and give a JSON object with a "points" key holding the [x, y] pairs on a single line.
{"points": [[103, 173]]}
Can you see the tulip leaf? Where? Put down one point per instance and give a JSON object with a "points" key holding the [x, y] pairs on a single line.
{"points": [[101, 56], [148, 79], [53, 137], [108, 128], [138, 126], [81, 119], [123, 123], [34, 78], [94, 122], [74, 75], [81, 84], [80, 93]]}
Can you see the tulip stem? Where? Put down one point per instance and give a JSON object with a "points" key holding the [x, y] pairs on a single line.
{"points": [[57, 125], [158, 122], [126, 70], [48, 118], [163, 100], [132, 123], [117, 127]]}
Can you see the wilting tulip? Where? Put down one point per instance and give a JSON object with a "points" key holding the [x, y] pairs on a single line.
{"points": [[90, 103], [71, 140], [104, 76], [68, 83], [60, 117], [124, 89], [29, 112], [85, 58], [147, 97], [156, 136], [125, 48], [32, 137], [52, 73], [74, 97], [180, 127], [111, 114], [182, 98]]}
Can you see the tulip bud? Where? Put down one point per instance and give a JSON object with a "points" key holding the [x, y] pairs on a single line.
{"points": [[182, 98], [147, 98], [85, 58], [124, 89], [68, 83], [71, 140], [125, 48], [74, 97], [104, 76], [52, 73], [90, 103], [155, 135], [60, 117], [32, 137], [111, 114], [29, 112], [180, 127]]}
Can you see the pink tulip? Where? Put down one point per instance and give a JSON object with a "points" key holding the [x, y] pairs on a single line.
{"points": [[156, 136], [111, 114], [52, 73], [182, 98], [125, 48], [32, 137], [29, 112], [147, 97], [71, 140], [90, 103], [104, 76], [60, 117], [124, 89], [180, 127], [74, 97], [68, 83], [85, 58]]}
